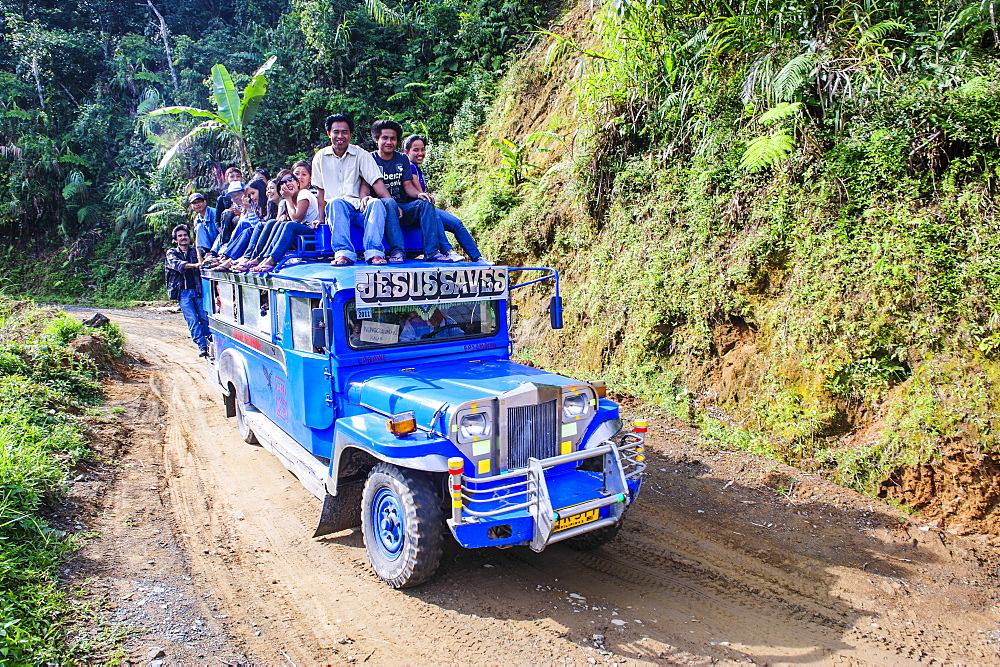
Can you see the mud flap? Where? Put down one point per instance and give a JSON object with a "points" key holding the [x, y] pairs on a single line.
{"points": [[343, 510]]}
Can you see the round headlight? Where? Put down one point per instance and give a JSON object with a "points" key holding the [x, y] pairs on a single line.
{"points": [[474, 425], [574, 405]]}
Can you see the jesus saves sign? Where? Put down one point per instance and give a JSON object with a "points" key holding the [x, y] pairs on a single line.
{"points": [[397, 287]]}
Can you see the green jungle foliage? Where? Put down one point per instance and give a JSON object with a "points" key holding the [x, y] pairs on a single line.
{"points": [[43, 386], [79, 154], [780, 212]]}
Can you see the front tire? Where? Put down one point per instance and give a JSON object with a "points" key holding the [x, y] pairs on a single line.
{"points": [[241, 423], [402, 525]]}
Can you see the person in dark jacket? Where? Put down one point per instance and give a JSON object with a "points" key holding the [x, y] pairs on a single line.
{"points": [[183, 272], [225, 201]]}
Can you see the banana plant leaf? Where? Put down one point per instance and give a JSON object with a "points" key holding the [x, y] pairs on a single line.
{"points": [[191, 111], [227, 98], [254, 93], [207, 126]]}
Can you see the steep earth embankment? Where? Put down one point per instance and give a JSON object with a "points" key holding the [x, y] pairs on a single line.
{"points": [[839, 313]]}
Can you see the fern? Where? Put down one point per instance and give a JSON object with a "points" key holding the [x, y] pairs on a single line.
{"points": [[878, 32], [791, 77], [385, 15], [780, 111], [76, 186], [75, 159], [766, 151], [88, 216], [150, 77], [759, 77]]}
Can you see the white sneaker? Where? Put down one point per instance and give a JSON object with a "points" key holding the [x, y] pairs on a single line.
{"points": [[454, 256], [482, 260]]}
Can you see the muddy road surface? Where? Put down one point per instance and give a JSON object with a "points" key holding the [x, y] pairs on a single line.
{"points": [[203, 555]]}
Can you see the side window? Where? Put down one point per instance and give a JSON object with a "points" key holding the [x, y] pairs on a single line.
{"points": [[264, 308], [216, 302], [251, 313], [280, 309], [226, 304], [256, 308], [301, 307]]}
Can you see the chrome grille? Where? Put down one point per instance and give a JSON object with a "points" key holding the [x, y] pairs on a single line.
{"points": [[531, 432]]}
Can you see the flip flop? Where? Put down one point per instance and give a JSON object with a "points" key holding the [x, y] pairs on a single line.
{"points": [[261, 270], [397, 258], [341, 261], [439, 258], [377, 261]]}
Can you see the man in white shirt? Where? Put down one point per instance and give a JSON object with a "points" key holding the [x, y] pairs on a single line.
{"points": [[337, 174]]}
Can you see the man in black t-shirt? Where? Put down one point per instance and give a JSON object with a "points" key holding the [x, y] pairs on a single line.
{"points": [[406, 205], [183, 272]]}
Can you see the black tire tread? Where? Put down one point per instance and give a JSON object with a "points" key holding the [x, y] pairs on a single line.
{"points": [[242, 426], [425, 541]]}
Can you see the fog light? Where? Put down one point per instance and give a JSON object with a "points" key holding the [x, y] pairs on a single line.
{"points": [[403, 423]]}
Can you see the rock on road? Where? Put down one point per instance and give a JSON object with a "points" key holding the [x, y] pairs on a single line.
{"points": [[204, 548]]}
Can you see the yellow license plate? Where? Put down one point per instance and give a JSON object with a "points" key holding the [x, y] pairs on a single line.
{"points": [[576, 520]]}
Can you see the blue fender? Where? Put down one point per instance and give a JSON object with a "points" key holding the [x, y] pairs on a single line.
{"points": [[233, 369], [418, 451]]}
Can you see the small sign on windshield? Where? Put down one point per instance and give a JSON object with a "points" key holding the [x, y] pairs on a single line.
{"points": [[379, 332], [383, 287]]}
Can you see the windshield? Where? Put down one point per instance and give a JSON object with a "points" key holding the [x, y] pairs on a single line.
{"points": [[412, 325]]}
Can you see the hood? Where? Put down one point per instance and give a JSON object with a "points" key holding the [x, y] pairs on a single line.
{"points": [[425, 389]]}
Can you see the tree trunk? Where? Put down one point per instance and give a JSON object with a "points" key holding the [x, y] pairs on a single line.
{"points": [[243, 155], [166, 43], [993, 22], [38, 81]]}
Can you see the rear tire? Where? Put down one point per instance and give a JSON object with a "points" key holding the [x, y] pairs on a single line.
{"points": [[594, 539], [402, 525], [241, 423]]}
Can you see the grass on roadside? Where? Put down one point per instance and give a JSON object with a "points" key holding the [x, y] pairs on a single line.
{"points": [[43, 389]]}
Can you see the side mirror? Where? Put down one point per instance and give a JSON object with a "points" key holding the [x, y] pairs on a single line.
{"points": [[319, 328], [555, 312]]}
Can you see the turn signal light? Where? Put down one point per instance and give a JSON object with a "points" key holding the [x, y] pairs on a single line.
{"points": [[600, 388], [402, 424], [640, 426]]}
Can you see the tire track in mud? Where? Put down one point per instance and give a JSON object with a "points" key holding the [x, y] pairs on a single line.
{"points": [[676, 586]]}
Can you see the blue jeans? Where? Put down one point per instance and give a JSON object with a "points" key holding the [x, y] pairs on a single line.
{"points": [[452, 224], [205, 235], [415, 213], [283, 237], [341, 214], [238, 245], [261, 239], [194, 315]]}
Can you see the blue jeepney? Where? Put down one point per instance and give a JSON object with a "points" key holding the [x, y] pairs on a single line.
{"points": [[390, 394]]}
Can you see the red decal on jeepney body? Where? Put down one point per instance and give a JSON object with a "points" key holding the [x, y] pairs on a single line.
{"points": [[280, 400], [247, 339]]}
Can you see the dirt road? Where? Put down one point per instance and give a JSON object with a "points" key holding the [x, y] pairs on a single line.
{"points": [[205, 549]]}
